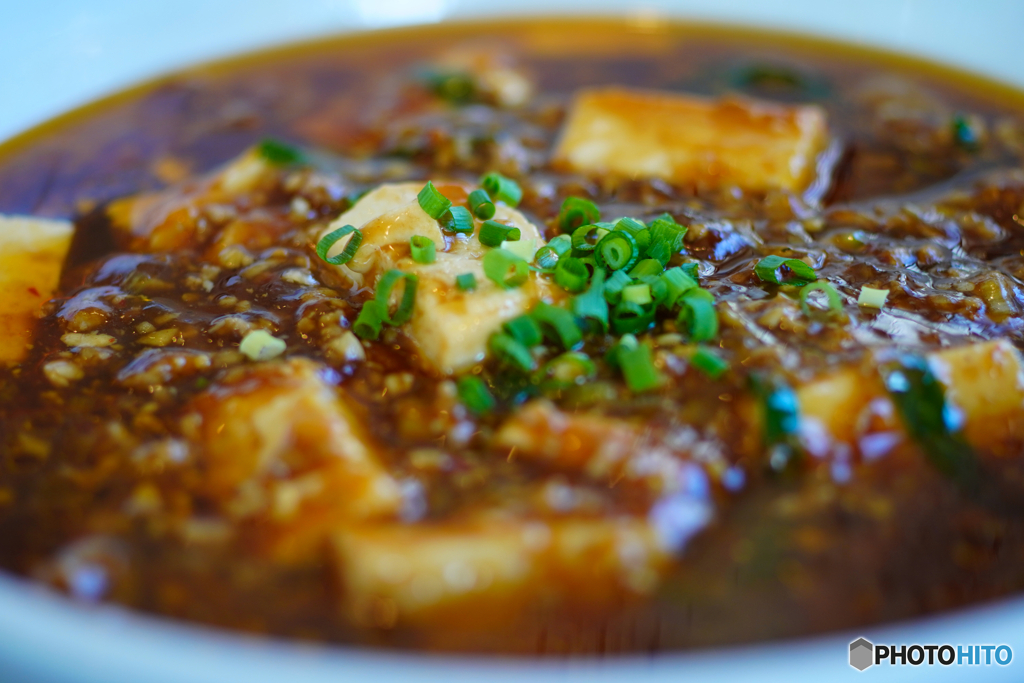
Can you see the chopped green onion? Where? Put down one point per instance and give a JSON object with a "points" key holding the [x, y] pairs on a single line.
{"points": [[678, 283], [627, 341], [617, 251], [637, 230], [481, 205], [767, 269], [577, 211], [630, 225], [666, 239], [659, 290], [872, 298], [493, 233], [921, 401], [423, 249], [698, 316], [772, 81], [571, 274], [546, 258], [502, 188], [591, 305], [692, 269], [557, 324], [637, 294], [474, 395], [666, 225], [709, 362], [512, 352], [370, 320], [458, 219], [548, 255], [637, 367], [586, 237], [835, 302], [617, 281], [964, 134], [629, 318], [524, 330], [570, 368], [279, 153], [332, 238], [524, 249], [387, 283], [561, 244], [648, 266], [781, 420], [466, 282], [455, 87], [505, 268], [433, 202]]}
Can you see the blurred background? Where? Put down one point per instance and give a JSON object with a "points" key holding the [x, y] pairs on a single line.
{"points": [[57, 54]]}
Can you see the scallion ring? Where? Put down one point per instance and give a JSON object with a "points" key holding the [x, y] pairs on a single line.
{"points": [[678, 283], [524, 330], [493, 233], [512, 352], [835, 302], [586, 237], [387, 283], [433, 202], [458, 219], [577, 211], [332, 238], [423, 249], [502, 188], [571, 274], [370, 320], [557, 324], [505, 268], [617, 251], [629, 318], [767, 270], [548, 255], [697, 315], [481, 205]]}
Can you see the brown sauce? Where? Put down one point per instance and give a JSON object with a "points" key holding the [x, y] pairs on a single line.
{"points": [[102, 493]]}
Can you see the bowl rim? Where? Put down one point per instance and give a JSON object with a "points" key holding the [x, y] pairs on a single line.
{"points": [[97, 639]]}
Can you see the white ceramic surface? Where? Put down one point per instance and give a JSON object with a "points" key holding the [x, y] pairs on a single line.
{"points": [[57, 54]]}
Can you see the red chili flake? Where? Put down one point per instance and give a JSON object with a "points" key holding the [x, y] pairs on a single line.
{"points": [[33, 291]]}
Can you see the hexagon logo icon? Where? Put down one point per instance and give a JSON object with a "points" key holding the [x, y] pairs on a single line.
{"points": [[861, 654]]}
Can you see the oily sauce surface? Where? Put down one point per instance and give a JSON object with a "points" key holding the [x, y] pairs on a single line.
{"points": [[102, 492]]}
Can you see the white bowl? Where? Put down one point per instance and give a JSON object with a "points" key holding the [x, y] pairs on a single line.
{"points": [[59, 54]]}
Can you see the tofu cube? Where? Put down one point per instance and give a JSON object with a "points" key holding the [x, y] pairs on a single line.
{"points": [[489, 572], [450, 327], [984, 381], [686, 139], [32, 253], [283, 417]]}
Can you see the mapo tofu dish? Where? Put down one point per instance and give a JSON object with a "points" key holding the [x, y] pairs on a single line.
{"points": [[570, 337]]}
